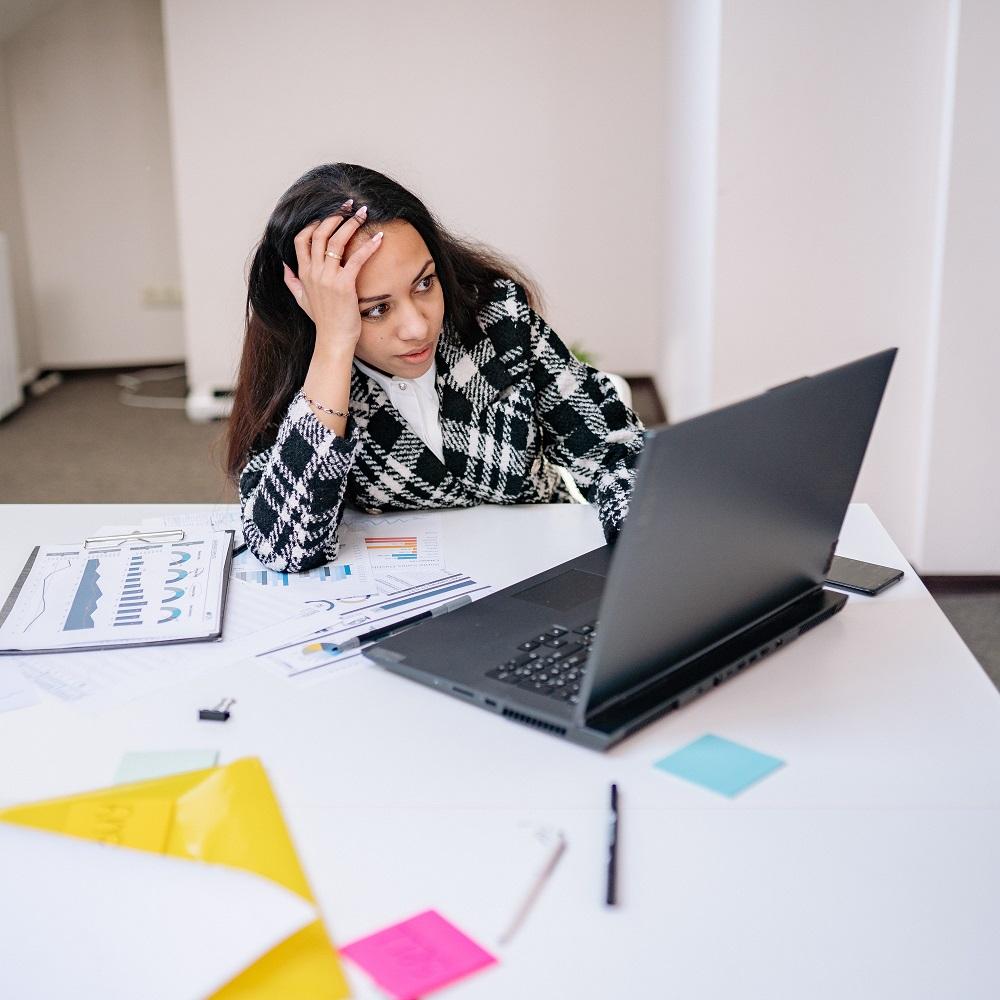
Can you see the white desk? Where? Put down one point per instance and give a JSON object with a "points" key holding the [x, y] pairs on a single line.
{"points": [[869, 866]]}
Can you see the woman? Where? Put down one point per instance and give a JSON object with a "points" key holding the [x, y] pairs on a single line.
{"points": [[388, 364]]}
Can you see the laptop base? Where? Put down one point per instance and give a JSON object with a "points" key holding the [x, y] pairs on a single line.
{"points": [[673, 688]]}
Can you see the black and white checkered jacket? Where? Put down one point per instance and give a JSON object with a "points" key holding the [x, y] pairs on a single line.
{"points": [[514, 404]]}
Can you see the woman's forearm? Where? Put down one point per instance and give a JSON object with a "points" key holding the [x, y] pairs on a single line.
{"points": [[328, 383], [292, 493]]}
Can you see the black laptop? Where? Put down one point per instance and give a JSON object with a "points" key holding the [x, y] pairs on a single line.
{"points": [[734, 520]]}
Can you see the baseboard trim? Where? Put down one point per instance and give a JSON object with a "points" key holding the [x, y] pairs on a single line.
{"points": [[206, 403], [106, 368], [955, 584]]}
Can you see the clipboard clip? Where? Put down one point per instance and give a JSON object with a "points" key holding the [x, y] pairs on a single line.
{"points": [[106, 543]]}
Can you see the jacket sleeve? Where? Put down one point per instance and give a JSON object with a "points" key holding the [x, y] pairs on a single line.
{"points": [[292, 494], [586, 427]]}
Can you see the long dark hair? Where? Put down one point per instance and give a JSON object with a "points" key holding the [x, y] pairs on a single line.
{"points": [[279, 339]]}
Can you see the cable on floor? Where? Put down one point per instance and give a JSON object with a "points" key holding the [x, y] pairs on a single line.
{"points": [[133, 382]]}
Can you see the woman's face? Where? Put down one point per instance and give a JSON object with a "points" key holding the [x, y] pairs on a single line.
{"points": [[401, 302]]}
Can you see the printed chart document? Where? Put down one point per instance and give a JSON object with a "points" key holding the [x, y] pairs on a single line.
{"points": [[71, 597], [347, 577], [93, 682], [395, 543], [322, 645], [378, 554]]}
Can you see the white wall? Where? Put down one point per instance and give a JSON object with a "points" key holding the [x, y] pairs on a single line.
{"points": [[963, 473], [12, 223], [830, 120], [824, 237], [88, 105], [534, 126], [691, 85]]}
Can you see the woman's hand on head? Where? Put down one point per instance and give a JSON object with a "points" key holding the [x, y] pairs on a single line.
{"points": [[326, 286], [297, 289]]}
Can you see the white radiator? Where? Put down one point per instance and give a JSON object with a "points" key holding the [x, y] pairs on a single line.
{"points": [[10, 378]]}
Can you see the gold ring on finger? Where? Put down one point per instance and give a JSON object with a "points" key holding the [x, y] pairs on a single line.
{"points": [[330, 253]]}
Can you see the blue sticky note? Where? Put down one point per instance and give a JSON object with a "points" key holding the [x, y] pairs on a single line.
{"points": [[142, 766], [720, 765]]}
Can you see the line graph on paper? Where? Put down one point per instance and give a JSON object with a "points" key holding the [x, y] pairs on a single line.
{"points": [[59, 567]]}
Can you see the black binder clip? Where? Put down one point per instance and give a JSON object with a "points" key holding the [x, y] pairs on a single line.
{"points": [[220, 713]]}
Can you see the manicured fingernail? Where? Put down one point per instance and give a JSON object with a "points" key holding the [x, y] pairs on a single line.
{"points": [[348, 203], [361, 212], [377, 237]]}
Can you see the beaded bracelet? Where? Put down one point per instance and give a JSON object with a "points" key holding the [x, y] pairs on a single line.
{"points": [[320, 406]]}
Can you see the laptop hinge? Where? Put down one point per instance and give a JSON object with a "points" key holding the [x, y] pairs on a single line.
{"points": [[678, 677]]}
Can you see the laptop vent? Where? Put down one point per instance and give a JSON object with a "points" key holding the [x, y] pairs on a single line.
{"points": [[529, 720]]}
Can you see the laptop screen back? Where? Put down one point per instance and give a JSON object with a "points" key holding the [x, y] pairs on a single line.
{"points": [[734, 514]]}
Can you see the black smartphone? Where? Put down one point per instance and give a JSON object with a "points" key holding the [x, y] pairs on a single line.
{"points": [[863, 577]]}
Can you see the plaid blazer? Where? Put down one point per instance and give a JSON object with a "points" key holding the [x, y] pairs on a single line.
{"points": [[515, 404]]}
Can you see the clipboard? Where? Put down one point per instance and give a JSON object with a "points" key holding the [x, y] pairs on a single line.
{"points": [[59, 594]]}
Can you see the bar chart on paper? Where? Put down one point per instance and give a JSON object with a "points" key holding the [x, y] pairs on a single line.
{"points": [[72, 597], [374, 555], [120, 590], [272, 578], [348, 577], [390, 549]]}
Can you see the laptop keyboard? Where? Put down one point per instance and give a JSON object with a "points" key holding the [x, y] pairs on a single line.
{"points": [[551, 663]]}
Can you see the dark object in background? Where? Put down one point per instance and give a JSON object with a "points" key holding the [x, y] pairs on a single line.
{"points": [[861, 577]]}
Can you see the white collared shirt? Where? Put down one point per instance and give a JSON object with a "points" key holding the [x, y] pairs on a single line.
{"points": [[416, 399]]}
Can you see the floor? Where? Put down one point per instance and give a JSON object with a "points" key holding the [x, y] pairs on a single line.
{"points": [[81, 443], [975, 613]]}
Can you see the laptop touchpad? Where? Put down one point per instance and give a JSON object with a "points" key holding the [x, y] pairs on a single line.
{"points": [[563, 592]]}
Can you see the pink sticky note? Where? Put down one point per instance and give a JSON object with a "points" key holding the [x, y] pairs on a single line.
{"points": [[418, 955]]}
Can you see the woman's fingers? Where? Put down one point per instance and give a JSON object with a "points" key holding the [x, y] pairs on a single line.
{"points": [[342, 236], [320, 239], [322, 233], [310, 238], [293, 283], [297, 289], [363, 253], [302, 242]]}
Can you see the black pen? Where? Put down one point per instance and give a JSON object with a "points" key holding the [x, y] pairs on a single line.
{"points": [[381, 633], [613, 847]]}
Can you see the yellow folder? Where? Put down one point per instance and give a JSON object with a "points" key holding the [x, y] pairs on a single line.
{"points": [[224, 815]]}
